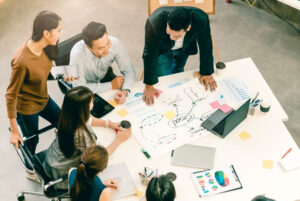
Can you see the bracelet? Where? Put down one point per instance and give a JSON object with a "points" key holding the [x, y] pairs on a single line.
{"points": [[106, 123]]}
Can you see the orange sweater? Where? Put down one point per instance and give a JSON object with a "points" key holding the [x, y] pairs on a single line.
{"points": [[27, 91]]}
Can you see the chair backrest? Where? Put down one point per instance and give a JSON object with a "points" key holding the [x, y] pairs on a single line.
{"points": [[35, 161], [65, 48], [63, 58]]}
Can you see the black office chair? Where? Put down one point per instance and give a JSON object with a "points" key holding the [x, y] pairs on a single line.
{"points": [[65, 48], [36, 161]]}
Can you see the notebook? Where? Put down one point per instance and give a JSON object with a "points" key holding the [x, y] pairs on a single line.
{"points": [[215, 181], [194, 156], [120, 173], [291, 161]]}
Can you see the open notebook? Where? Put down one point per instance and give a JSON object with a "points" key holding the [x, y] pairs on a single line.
{"points": [[120, 173]]}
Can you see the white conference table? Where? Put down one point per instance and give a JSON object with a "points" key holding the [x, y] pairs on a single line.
{"points": [[269, 141]]}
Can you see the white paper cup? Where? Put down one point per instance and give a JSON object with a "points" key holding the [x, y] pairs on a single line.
{"points": [[265, 105]]}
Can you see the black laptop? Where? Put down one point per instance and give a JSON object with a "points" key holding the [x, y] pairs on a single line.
{"points": [[222, 124]]}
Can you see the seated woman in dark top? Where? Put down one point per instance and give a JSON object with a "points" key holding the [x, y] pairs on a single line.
{"points": [[84, 184]]}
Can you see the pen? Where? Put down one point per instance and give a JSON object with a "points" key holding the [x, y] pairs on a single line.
{"points": [[255, 97], [288, 151], [255, 103], [150, 174]]}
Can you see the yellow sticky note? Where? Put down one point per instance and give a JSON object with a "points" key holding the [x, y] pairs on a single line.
{"points": [[244, 135], [170, 114], [268, 164], [122, 113], [113, 103], [138, 192]]}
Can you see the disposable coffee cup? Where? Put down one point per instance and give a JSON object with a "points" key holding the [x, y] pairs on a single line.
{"points": [[125, 124], [265, 105], [220, 67]]}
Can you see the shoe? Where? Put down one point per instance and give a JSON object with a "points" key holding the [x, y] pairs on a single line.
{"points": [[30, 174]]}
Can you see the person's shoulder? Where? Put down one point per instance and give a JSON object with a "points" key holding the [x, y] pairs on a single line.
{"points": [[160, 14], [198, 14], [72, 171], [78, 48], [19, 57], [114, 40]]}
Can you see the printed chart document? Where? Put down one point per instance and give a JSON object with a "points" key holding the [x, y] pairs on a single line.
{"points": [[215, 181]]}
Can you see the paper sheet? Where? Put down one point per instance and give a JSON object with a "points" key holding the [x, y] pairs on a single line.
{"points": [[175, 118]]}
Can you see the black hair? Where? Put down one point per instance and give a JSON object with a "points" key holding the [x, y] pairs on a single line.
{"points": [[93, 31], [160, 189], [46, 20], [179, 18], [74, 114]]}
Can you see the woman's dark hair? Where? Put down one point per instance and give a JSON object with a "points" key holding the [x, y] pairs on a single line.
{"points": [[160, 189], [93, 31], [74, 115], [179, 18], [93, 160], [46, 20]]}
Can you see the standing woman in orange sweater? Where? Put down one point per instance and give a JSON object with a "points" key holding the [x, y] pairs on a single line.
{"points": [[27, 94]]}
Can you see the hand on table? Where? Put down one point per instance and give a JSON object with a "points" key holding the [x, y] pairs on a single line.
{"points": [[149, 94], [208, 81], [111, 183], [120, 96], [117, 82], [123, 134]]}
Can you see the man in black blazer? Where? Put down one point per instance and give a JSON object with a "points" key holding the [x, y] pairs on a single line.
{"points": [[171, 35]]}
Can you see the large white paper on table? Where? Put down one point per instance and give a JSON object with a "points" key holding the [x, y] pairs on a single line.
{"points": [[176, 117]]}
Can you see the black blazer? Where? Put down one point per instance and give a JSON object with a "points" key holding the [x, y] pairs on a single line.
{"points": [[157, 41]]}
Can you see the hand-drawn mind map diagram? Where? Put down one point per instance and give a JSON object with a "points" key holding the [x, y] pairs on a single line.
{"points": [[174, 120]]}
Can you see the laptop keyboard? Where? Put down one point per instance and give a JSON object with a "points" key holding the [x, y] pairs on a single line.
{"points": [[219, 128]]}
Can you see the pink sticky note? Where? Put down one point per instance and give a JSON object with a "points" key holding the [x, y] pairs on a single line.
{"points": [[159, 91], [225, 108], [215, 105]]}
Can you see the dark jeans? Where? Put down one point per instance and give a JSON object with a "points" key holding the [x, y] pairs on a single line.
{"points": [[29, 123], [171, 62]]}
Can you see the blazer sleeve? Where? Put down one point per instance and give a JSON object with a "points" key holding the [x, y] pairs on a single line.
{"points": [[150, 54], [205, 47]]}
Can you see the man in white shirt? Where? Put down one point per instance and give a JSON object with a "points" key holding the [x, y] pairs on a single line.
{"points": [[94, 56]]}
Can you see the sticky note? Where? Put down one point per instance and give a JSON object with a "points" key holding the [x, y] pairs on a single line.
{"points": [[215, 105], [138, 192], [225, 108], [268, 164], [170, 114], [113, 103], [244, 135], [122, 113], [159, 91]]}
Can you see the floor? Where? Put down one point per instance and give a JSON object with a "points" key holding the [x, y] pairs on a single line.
{"points": [[238, 30]]}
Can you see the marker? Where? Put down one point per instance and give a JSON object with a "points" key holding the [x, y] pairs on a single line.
{"points": [[288, 151], [146, 153]]}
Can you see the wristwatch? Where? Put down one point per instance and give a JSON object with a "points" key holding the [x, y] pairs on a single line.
{"points": [[128, 91]]}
